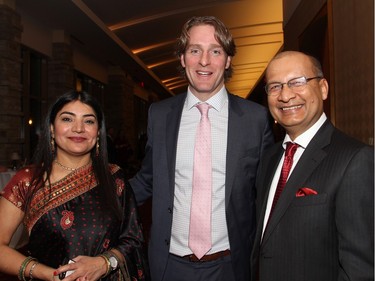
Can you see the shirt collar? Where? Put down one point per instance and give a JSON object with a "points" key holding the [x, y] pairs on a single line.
{"points": [[304, 139], [217, 101]]}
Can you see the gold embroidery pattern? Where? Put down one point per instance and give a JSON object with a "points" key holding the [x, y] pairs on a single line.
{"points": [[73, 185], [49, 197], [58, 193]]}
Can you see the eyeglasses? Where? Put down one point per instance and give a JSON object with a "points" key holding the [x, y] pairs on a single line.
{"points": [[275, 88]]}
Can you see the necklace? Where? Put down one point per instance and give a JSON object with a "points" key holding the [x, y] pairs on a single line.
{"points": [[65, 167]]}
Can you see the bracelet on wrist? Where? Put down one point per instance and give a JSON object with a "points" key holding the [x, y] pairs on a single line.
{"points": [[24, 264], [32, 270], [108, 263], [113, 259]]}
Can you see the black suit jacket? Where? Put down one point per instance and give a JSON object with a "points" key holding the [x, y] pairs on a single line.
{"points": [[248, 135], [328, 236]]}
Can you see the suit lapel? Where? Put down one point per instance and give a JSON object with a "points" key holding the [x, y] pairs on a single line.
{"points": [[235, 126], [263, 186], [271, 165], [309, 160], [172, 123]]}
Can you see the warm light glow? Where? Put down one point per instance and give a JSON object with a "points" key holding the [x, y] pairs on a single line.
{"points": [[161, 63], [171, 79], [30, 121], [258, 34], [151, 47]]}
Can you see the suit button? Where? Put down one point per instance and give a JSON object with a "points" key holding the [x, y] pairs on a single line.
{"points": [[166, 241], [170, 210]]}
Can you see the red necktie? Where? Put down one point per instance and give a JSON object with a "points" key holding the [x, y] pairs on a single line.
{"points": [[285, 170], [200, 214]]}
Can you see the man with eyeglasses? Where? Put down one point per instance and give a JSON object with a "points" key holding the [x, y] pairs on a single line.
{"points": [[317, 221]]}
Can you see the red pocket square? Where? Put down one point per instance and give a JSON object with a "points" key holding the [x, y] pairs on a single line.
{"points": [[304, 191]]}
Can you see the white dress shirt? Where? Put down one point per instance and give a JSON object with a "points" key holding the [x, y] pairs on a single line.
{"points": [[302, 140], [218, 116]]}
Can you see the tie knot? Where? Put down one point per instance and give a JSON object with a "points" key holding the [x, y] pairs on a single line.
{"points": [[203, 108], [290, 149]]}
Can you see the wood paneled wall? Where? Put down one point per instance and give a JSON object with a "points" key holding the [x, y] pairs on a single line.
{"points": [[353, 56], [348, 58]]}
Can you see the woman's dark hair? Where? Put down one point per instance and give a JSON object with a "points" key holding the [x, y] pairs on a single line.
{"points": [[45, 154], [222, 35]]}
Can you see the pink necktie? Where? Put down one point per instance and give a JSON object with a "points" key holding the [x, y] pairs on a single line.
{"points": [[287, 165], [200, 214]]}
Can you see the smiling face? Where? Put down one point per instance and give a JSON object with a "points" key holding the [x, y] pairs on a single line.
{"points": [[296, 110], [75, 130], [205, 62]]}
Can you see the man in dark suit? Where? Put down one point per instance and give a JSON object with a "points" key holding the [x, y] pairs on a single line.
{"points": [[322, 226], [240, 133]]}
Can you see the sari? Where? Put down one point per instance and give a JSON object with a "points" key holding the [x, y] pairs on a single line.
{"points": [[66, 219]]}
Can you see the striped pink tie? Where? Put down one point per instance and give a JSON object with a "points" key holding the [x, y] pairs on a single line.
{"points": [[200, 214]]}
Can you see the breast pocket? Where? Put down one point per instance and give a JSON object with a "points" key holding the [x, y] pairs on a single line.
{"points": [[308, 200]]}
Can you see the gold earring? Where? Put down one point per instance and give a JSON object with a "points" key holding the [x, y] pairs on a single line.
{"points": [[52, 145], [97, 147]]}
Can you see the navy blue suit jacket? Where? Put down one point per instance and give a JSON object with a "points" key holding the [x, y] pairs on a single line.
{"points": [[248, 136]]}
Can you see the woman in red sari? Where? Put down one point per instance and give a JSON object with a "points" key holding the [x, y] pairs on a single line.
{"points": [[81, 219]]}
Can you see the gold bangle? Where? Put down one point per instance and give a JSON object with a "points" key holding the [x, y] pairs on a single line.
{"points": [[31, 270], [21, 272], [108, 264]]}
